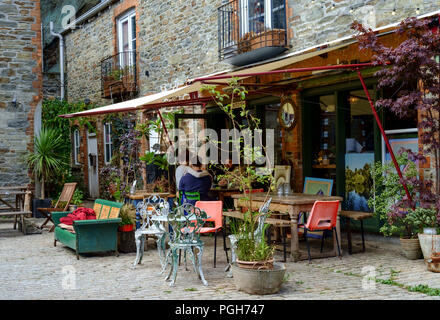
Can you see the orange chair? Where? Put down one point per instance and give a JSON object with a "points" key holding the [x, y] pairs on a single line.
{"points": [[322, 217], [214, 210]]}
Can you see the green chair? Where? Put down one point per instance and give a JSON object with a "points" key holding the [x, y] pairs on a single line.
{"points": [[188, 196]]}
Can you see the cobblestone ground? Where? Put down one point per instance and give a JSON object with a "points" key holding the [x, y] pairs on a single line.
{"points": [[32, 268]]}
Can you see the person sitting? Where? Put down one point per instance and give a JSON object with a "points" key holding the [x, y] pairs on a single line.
{"points": [[190, 183], [183, 169]]}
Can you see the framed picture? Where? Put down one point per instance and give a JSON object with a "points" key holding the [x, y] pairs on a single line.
{"points": [[318, 186], [396, 143]]}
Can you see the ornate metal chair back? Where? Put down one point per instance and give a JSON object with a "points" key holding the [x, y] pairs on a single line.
{"points": [[262, 215], [186, 222], [154, 205]]}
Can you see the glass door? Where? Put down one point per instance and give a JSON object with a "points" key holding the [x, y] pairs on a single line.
{"points": [[359, 150]]}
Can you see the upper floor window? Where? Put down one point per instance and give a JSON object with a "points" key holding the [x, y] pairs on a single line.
{"points": [[126, 31], [108, 145], [76, 146], [260, 15]]}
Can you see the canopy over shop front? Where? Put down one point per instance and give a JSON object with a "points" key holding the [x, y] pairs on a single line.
{"points": [[192, 87]]}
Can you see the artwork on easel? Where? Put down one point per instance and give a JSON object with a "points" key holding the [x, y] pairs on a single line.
{"points": [[318, 186]]}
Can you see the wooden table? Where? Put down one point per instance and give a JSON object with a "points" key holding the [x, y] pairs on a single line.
{"points": [[140, 195], [17, 209], [222, 193], [292, 204]]}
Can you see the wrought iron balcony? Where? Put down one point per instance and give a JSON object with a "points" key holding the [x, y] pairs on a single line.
{"points": [[119, 75], [251, 30]]}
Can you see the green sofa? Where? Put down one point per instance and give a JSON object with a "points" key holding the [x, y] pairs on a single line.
{"points": [[91, 235]]}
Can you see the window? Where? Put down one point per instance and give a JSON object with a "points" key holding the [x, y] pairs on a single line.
{"points": [[126, 30], [259, 15], [108, 145], [76, 146]]}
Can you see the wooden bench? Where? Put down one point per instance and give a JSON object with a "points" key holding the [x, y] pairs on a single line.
{"points": [[16, 214], [359, 216]]}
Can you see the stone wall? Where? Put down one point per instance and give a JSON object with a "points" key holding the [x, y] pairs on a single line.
{"points": [[334, 17], [85, 47], [177, 40], [20, 80]]}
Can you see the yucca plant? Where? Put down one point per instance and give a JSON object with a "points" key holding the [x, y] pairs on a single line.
{"points": [[48, 158]]}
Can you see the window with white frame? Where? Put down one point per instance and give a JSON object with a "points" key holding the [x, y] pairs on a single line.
{"points": [[154, 141], [76, 146], [259, 15], [126, 31], [108, 145]]}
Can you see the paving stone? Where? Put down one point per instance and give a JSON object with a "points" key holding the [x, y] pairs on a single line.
{"points": [[32, 268]]}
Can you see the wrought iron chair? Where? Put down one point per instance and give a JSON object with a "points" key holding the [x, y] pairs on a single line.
{"points": [[152, 206], [258, 233], [186, 222]]}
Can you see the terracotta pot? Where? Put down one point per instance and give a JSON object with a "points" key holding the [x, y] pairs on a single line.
{"points": [[435, 257], [433, 263], [256, 265], [253, 281], [126, 228], [411, 248]]}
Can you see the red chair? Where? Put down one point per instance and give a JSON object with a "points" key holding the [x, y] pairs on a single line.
{"points": [[322, 217], [214, 210]]}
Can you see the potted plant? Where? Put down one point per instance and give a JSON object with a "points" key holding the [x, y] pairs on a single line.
{"points": [[126, 241], [426, 220], [77, 200], [46, 162], [128, 216], [255, 271], [386, 200]]}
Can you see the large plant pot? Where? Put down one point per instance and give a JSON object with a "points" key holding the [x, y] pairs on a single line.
{"points": [[263, 281], [411, 248], [40, 203], [259, 265], [126, 241], [427, 242]]}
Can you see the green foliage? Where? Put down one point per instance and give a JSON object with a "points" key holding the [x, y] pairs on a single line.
{"points": [[48, 159], [160, 160], [359, 180], [51, 110], [127, 215], [77, 198], [422, 218], [245, 177], [387, 191]]}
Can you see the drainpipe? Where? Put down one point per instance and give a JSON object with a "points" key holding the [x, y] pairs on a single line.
{"points": [[60, 37]]}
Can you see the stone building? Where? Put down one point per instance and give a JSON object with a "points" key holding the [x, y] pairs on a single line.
{"points": [[20, 86], [123, 50]]}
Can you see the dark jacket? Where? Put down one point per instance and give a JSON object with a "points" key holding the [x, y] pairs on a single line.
{"points": [[189, 183]]}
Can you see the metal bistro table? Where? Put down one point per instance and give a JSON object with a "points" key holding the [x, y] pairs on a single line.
{"points": [[292, 204]]}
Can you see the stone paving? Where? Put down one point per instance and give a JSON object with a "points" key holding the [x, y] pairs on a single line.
{"points": [[32, 268]]}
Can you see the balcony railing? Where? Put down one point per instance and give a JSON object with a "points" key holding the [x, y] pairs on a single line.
{"points": [[119, 75], [246, 26]]}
